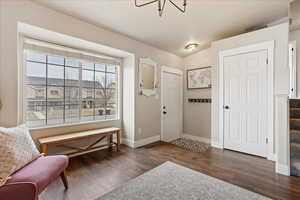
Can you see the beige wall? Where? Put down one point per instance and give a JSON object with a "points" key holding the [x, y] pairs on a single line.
{"points": [[279, 34], [147, 116], [197, 116]]}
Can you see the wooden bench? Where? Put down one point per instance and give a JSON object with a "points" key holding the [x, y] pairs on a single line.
{"points": [[63, 140]]}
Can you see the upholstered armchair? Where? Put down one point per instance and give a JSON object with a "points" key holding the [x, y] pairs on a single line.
{"points": [[28, 182]]}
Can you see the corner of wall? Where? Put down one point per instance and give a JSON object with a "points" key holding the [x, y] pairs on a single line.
{"points": [[282, 169]]}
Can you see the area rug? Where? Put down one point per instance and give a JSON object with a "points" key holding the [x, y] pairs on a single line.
{"points": [[191, 145], [170, 181]]}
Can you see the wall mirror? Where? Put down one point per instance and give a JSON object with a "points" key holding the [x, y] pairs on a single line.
{"points": [[147, 77]]}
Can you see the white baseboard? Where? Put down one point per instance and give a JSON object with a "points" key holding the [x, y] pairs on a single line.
{"points": [[282, 169], [196, 138], [128, 142], [146, 141], [272, 157], [216, 145], [140, 143]]}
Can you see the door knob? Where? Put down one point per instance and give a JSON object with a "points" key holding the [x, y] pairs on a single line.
{"points": [[226, 107]]}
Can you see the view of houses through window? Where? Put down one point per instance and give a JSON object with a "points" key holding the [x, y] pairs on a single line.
{"points": [[65, 90]]}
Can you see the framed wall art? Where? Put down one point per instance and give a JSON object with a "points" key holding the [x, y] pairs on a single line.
{"points": [[199, 78]]}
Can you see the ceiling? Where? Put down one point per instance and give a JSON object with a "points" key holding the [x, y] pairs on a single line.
{"points": [[205, 20]]}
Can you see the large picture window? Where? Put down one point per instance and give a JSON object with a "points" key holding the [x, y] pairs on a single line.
{"points": [[61, 90]]}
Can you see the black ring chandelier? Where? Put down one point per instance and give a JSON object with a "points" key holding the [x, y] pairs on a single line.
{"points": [[161, 5]]}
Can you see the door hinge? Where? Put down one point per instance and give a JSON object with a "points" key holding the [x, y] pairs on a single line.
{"points": [[267, 141], [267, 61]]}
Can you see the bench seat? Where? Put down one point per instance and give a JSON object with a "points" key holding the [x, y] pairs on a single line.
{"points": [[64, 139]]}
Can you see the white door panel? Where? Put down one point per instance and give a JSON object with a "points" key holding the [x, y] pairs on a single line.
{"points": [[245, 94], [172, 98]]}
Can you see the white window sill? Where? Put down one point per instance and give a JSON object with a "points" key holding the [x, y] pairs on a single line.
{"points": [[72, 124]]}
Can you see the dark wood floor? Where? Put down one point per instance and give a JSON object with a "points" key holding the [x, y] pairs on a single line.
{"points": [[92, 175]]}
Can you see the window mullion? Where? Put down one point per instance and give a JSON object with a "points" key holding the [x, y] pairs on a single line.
{"points": [[105, 97], [80, 89], [64, 111], [116, 91], [46, 120], [94, 102]]}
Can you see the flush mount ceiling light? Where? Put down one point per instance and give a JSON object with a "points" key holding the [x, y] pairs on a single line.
{"points": [[161, 5], [191, 46]]}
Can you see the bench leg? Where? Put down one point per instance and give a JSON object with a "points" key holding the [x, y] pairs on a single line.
{"points": [[110, 142], [64, 179], [118, 140]]}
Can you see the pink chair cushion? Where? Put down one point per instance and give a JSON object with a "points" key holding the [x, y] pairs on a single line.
{"points": [[41, 171], [17, 191]]}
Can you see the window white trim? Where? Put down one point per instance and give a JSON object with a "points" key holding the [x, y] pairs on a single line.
{"points": [[72, 124], [269, 46], [65, 51], [21, 118], [21, 77]]}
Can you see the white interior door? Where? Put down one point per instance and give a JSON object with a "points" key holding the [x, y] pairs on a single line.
{"points": [[245, 102], [171, 106]]}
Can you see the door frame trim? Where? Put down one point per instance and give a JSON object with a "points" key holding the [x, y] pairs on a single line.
{"points": [[180, 73], [269, 46], [293, 68]]}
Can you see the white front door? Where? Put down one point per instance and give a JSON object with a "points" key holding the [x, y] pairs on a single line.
{"points": [[171, 106], [245, 102]]}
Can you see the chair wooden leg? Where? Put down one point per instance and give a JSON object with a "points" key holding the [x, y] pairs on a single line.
{"points": [[64, 179]]}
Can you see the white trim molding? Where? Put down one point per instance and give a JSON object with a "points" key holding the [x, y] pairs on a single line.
{"points": [[128, 142], [146, 141], [140, 143], [273, 157], [216, 144], [282, 169], [171, 70], [22, 104], [269, 46], [293, 68], [196, 138]]}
